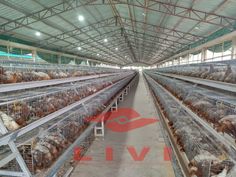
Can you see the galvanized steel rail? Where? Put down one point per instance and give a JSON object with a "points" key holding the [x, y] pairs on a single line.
{"points": [[43, 83], [206, 82]]}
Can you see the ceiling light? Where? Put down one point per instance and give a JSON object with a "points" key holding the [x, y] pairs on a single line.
{"points": [[38, 33], [197, 28], [79, 48], [81, 18], [125, 56], [143, 14], [105, 40], [97, 54], [116, 48]]}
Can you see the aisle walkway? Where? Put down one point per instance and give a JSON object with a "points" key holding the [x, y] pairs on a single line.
{"points": [[123, 164]]}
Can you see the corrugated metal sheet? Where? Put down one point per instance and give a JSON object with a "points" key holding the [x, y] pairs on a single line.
{"points": [[9, 13], [61, 23], [30, 33], [50, 3], [29, 5], [55, 25], [40, 26], [207, 6], [2, 21]]}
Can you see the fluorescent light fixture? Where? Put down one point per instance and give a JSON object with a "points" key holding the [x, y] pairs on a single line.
{"points": [[81, 18], [38, 33], [79, 48], [98, 54], [105, 40], [116, 48]]}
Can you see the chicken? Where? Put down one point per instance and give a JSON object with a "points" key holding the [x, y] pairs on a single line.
{"points": [[9, 122], [228, 125], [52, 149], [8, 77], [41, 156], [63, 75], [218, 76], [19, 77], [21, 112], [231, 78], [219, 166], [53, 75], [28, 76], [213, 115], [222, 174], [77, 73], [207, 72], [202, 107], [59, 140], [41, 76]]}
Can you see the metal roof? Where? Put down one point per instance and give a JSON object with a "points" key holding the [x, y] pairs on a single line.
{"points": [[143, 31]]}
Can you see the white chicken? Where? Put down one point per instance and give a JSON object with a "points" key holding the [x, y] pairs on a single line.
{"points": [[9, 122]]}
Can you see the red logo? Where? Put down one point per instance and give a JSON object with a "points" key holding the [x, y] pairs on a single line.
{"points": [[109, 154], [123, 120]]}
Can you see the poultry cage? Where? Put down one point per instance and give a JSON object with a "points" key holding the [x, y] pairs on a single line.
{"points": [[15, 72], [33, 106], [215, 107], [224, 71], [204, 155], [42, 123]]}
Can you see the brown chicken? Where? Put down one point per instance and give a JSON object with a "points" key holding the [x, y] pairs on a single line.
{"points": [[8, 77]]}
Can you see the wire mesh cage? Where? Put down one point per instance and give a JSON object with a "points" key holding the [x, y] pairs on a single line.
{"points": [[20, 110], [204, 152], [41, 146], [18, 71], [215, 107], [224, 71]]}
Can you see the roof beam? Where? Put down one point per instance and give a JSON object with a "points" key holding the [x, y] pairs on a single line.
{"points": [[180, 21], [55, 47], [171, 32], [152, 37], [148, 47], [133, 25], [185, 12], [95, 38], [166, 31], [110, 22], [118, 18], [120, 57], [49, 24], [76, 32], [146, 4], [134, 36], [43, 14], [212, 12], [99, 39], [158, 6]]}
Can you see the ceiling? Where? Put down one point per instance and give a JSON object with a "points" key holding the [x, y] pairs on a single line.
{"points": [[137, 31]]}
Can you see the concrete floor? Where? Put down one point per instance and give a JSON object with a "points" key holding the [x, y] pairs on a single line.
{"points": [[122, 164]]}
